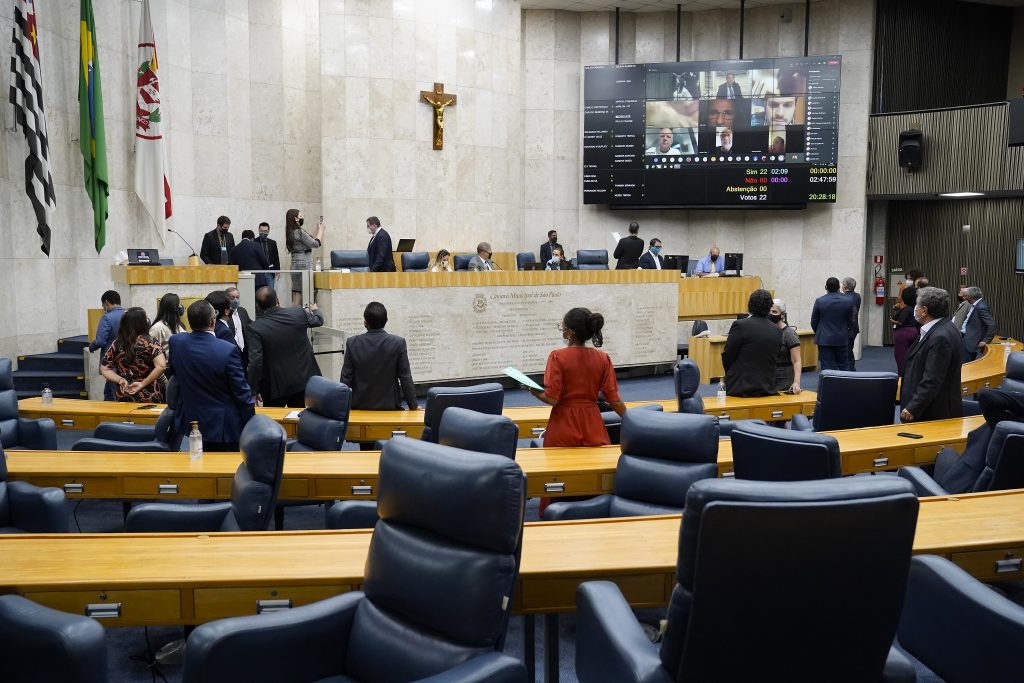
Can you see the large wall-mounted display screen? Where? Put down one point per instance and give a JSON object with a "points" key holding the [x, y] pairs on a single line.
{"points": [[750, 133]]}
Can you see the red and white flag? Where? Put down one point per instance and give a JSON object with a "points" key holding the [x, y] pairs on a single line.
{"points": [[151, 182]]}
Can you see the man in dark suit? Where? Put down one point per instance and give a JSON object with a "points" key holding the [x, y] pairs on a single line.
{"points": [[629, 248], [238, 322], [280, 355], [211, 382], [248, 255], [379, 249], [552, 243], [931, 378], [730, 90], [751, 350], [269, 249], [376, 364], [218, 243], [979, 325], [221, 303], [831, 319], [653, 260], [848, 289]]}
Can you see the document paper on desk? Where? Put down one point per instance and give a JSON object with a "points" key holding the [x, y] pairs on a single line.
{"points": [[293, 415], [521, 378]]}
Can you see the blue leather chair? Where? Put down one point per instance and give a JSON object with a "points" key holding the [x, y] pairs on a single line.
{"points": [[486, 398], [687, 379], [851, 400], [117, 436], [253, 492], [592, 259], [613, 423], [820, 602], [415, 262], [460, 428], [663, 454], [1014, 378], [1003, 467], [19, 432], [461, 261], [42, 644], [356, 260], [775, 454], [28, 509], [524, 257], [683, 349], [957, 626], [324, 422], [451, 527]]}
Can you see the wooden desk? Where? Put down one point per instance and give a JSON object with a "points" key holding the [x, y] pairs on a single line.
{"points": [[710, 298], [987, 370], [551, 472], [165, 579], [706, 352], [373, 425], [173, 275]]}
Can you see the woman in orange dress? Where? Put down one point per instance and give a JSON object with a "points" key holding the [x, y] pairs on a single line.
{"points": [[573, 378]]}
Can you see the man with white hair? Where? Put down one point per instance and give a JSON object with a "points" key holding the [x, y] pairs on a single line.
{"points": [[979, 325]]}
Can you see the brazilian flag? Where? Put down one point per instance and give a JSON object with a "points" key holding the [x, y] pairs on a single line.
{"points": [[93, 140]]}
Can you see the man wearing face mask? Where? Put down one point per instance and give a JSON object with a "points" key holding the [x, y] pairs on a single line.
{"points": [[931, 377], [280, 355], [218, 243], [710, 265], [653, 260], [379, 250], [269, 249], [238, 321], [552, 243], [248, 255]]}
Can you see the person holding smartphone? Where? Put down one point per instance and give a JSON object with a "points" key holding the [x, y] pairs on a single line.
{"points": [[300, 244]]}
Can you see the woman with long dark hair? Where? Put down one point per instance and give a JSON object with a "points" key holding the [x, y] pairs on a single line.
{"points": [[573, 378], [134, 362], [168, 321], [905, 327], [300, 244]]}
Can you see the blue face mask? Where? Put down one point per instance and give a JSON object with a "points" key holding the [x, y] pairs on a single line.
{"points": [[655, 250], [234, 304]]}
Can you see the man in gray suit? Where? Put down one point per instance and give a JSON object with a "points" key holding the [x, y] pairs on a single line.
{"points": [[978, 327], [280, 355], [482, 260]]}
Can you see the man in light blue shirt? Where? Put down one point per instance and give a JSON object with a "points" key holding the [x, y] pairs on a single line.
{"points": [[712, 264], [106, 332]]}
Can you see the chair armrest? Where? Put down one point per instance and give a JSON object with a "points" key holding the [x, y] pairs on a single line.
{"points": [[948, 613], [493, 667], [352, 514], [313, 637], [971, 407], [117, 431], [37, 510], [594, 508], [92, 444], [725, 425], [924, 485], [40, 435], [161, 517], [801, 423], [49, 644], [611, 647]]}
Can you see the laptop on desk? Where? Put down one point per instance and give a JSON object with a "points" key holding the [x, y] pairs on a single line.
{"points": [[143, 257], [405, 245], [533, 266]]}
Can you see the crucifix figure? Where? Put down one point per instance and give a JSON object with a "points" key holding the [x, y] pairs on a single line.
{"points": [[438, 99]]}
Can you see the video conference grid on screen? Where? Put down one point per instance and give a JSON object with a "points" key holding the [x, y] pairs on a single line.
{"points": [[751, 132]]}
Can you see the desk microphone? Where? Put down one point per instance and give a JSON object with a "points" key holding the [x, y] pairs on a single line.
{"points": [[182, 239]]}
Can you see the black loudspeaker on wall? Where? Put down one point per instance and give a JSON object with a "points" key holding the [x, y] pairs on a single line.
{"points": [[911, 151]]}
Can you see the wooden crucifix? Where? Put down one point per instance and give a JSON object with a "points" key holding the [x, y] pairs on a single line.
{"points": [[438, 99]]}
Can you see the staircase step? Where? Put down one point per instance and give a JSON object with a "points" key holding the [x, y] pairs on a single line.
{"points": [[56, 394], [73, 344], [33, 380], [67, 362]]}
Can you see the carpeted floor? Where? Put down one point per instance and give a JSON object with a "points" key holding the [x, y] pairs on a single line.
{"points": [[128, 647]]}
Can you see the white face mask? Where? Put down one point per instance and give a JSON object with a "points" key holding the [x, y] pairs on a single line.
{"points": [[918, 318], [369, 230]]}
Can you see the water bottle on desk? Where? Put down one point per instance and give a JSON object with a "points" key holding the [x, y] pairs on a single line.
{"points": [[721, 389], [47, 395], [318, 267], [1007, 347], [195, 443]]}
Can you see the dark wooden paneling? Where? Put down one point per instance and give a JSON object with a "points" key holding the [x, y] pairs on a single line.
{"points": [[963, 149], [931, 54], [928, 235]]}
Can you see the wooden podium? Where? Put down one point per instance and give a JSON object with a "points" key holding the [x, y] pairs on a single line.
{"points": [[144, 285]]}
